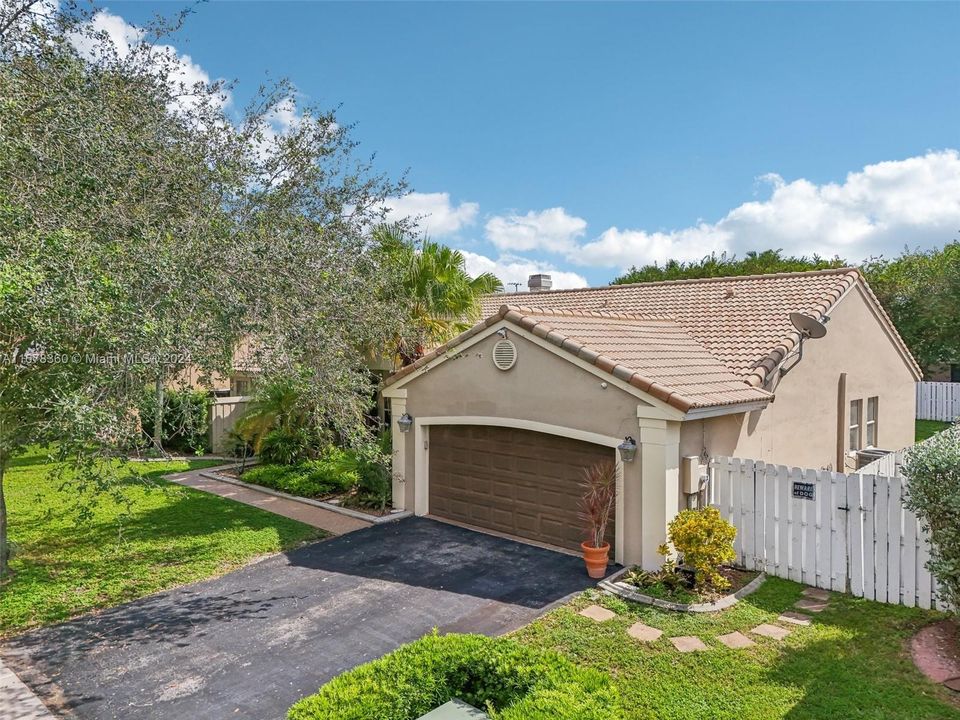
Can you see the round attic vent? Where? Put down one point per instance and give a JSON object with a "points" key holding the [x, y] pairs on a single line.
{"points": [[504, 354]]}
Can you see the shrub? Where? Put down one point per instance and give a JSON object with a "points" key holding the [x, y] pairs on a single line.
{"points": [[185, 419], [303, 480], [283, 447], [705, 540], [932, 469], [508, 680]]}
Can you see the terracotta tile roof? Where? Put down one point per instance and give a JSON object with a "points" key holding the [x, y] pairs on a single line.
{"points": [[743, 321], [690, 343], [653, 354]]}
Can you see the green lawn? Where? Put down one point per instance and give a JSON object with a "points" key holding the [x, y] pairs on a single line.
{"points": [[174, 535], [851, 663], [926, 428]]}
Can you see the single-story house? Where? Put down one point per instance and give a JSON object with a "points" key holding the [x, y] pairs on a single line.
{"points": [[501, 421]]}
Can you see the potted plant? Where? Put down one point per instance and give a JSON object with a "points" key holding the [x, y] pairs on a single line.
{"points": [[599, 495]]}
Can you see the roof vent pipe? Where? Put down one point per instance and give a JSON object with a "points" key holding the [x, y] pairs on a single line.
{"points": [[539, 283]]}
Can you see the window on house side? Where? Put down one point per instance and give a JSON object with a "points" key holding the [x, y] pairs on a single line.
{"points": [[856, 411], [872, 408]]}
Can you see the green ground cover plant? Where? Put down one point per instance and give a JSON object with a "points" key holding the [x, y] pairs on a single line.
{"points": [[851, 662], [164, 535]]}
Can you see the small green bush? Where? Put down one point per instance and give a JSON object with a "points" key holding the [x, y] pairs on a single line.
{"points": [[508, 680], [185, 419], [283, 447], [932, 469], [705, 540]]}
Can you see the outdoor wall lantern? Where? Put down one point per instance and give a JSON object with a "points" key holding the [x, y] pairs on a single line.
{"points": [[405, 422], [627, 449]]}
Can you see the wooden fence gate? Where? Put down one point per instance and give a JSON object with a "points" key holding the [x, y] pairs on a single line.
{"points": [[848, 533], [938, 401]]}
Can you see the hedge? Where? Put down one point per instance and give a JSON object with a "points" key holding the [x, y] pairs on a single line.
{"points": [[932, 469], [507, 680]]}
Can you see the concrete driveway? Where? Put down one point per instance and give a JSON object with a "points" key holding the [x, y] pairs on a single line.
{"points": [[249, 644]]}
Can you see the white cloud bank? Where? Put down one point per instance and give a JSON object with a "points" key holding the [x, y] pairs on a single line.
{"points": [[434, 212], [877, 210], [515, 269], [553, 230]]}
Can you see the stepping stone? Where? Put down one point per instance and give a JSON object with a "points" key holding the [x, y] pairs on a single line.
{"points": [[736, 640], [771, 631], [814, 606], [688, 643], [795, 618], [595, 612], [952, 684], [644, 633], [816, 594]]}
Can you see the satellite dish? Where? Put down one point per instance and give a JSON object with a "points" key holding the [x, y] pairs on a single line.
{"points": [[807, 326]]}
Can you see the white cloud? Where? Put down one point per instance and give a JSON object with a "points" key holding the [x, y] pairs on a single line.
{"points": [[552, 230], [436, 215], [514, 269], [184, 74], [877, 210]]}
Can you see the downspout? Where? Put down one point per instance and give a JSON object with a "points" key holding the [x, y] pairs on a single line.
{"points": [[841, 423]]}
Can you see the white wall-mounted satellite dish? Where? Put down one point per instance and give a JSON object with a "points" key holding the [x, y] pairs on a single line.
{"points": [[810, 329], [807, 326]]}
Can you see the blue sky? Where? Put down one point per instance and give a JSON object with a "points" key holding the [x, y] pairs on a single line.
{"points": [[583, 138]]}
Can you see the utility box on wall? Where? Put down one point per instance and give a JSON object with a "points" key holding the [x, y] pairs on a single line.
{"points": [[690, 474]]}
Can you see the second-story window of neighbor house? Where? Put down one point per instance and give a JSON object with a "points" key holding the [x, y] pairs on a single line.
{"points": [[856, 411], [872, 408]]}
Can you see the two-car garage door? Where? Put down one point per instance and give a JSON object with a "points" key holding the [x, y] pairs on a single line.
{"points": [[512, 481]]}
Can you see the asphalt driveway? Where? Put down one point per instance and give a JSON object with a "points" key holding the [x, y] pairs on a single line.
{"points": [[249, 644]]}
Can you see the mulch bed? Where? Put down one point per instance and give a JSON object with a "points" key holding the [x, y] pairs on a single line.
{"points": [[737, 578]]}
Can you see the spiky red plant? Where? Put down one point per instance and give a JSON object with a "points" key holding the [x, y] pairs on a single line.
{"points": [[599, 496]]}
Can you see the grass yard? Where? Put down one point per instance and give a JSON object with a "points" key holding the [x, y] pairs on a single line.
{"points": [[850, 663], [174, 535], [926, 428]]}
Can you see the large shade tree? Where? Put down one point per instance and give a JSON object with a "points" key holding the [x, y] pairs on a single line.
{"points": [[144, 227], [439, 297]]}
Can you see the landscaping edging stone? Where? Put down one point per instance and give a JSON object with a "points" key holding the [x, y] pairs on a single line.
{"points": [[613, 586], [373, 519]]}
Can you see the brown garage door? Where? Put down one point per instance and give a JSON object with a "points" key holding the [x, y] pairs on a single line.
{"points": [[517, 482]]}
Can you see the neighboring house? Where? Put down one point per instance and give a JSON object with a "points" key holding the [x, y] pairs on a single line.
{"points": [[506, 416]]}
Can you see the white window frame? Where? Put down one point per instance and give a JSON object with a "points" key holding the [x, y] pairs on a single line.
{"points": [[855, 428], [873, 403]]}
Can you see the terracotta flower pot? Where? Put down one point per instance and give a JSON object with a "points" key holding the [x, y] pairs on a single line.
{"points": [[596, 559]]}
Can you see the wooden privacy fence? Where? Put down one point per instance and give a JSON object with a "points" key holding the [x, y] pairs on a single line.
{"points": [[848, 533], [224, 413], [938, 401]]}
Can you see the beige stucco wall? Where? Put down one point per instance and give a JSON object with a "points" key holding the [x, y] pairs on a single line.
{"points": [[800, 427], [543, 387]]}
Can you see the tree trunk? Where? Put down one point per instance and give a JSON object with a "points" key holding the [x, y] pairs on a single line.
{"points": [[158, 415], [4, 544]]}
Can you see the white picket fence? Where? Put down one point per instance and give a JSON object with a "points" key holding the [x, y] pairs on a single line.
{"points": [[938, 401], [848, 533]]}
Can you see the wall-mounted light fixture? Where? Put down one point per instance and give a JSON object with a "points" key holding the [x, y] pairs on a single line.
{"points": [[627, 449], [405, 422]]}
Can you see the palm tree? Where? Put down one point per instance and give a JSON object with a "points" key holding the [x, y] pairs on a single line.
{"points": [[274, 407], [443, 299]]}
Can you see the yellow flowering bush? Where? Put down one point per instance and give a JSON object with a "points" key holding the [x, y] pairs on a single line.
{"points": [[705, 541]]}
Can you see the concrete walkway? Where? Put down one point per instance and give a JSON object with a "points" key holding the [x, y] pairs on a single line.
{"points": [[332, 522], [17, 701]]}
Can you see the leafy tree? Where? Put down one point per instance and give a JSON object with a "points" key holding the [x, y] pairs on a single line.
{"points": [[921, 292], [440, 298], [142, 228], [723, 265]]}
